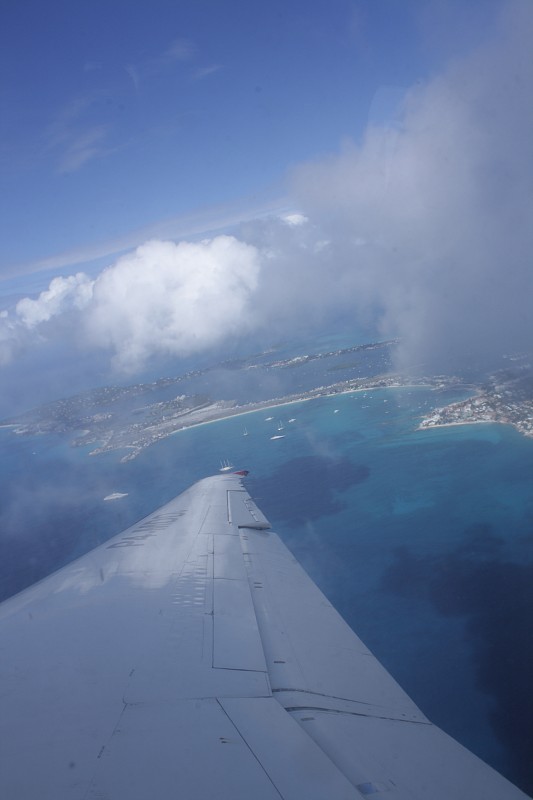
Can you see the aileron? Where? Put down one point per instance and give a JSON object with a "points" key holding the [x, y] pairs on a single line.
{"points": [[243, 512]]}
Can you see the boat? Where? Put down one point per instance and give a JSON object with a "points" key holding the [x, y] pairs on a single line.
{"points": [[269, 419], [225, 466], [278, 436], [280, 426], [245, 432]]}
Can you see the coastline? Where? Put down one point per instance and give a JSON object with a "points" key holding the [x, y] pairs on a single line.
{"points": [[253, 408], [134, 439], [422, 427], [267, 405], [527, 434], [229, 414]]}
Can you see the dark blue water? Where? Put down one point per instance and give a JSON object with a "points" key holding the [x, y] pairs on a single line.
{"points": [[422, 539]]}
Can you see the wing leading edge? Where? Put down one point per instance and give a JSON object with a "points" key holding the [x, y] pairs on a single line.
{"points": [[191, 656]]}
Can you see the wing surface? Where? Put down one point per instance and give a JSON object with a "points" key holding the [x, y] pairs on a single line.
{"points": [[192, 657]]}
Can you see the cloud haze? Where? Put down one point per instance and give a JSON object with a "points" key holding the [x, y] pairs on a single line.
{"points": [[422, 228], [74, 138], [431, 220]]}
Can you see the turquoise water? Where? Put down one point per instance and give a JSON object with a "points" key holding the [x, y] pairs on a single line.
{"points": [[422, 539]]}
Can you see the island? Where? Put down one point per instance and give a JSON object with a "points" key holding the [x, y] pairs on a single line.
{"points": [[132, 418]]}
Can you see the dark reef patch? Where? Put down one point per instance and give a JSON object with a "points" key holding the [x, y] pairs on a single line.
{"points": [[495, 597], [305, 488]]}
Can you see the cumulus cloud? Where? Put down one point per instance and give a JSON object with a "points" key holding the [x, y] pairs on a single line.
{"points": [[162, 299], [63, 294], [430, 220], [173, 298], [295, 219]]}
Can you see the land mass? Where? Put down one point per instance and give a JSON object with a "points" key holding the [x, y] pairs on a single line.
{"points": [[166, 419], [127, 418], [506, 397]]}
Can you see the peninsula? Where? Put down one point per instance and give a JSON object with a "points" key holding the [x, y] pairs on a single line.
{"points": [[506, 397]]}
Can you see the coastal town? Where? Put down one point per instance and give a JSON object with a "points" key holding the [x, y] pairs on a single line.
{"points": [[507, 397]]}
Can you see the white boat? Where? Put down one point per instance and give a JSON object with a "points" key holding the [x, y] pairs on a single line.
{"points": [[225, 466], [280, 426], [278, 436], [292, 419], [245, 432], [269, 419]]}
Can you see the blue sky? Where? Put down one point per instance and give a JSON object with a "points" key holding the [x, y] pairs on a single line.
{"points": [[117, 115], [245, 170]]}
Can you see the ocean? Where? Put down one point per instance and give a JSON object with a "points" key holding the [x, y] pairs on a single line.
{"points": [[423, 540]]}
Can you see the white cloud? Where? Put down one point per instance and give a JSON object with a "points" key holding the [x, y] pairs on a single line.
{"points": [[164, 298], [295, 219], [430, 221], [173, 298], [63, 294]]}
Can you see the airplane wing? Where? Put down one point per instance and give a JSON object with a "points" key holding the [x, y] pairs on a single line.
{"points": [[192, 657]]}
